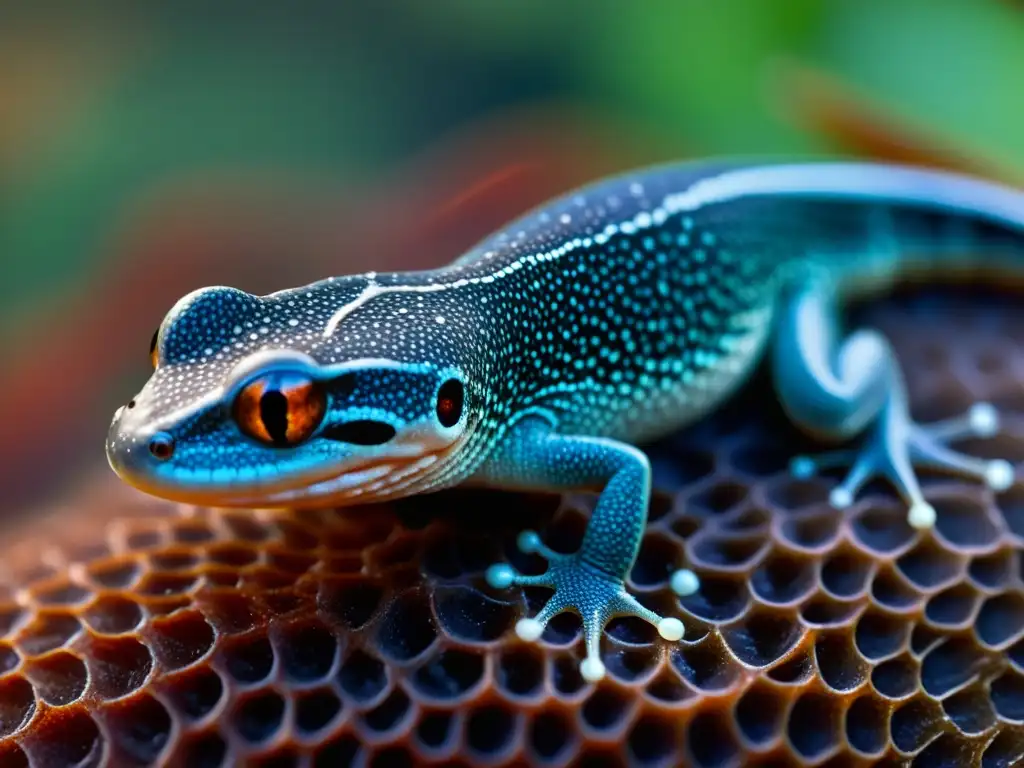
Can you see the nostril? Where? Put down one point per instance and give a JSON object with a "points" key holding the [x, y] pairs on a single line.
{"points": [[161, 446], [131, 404]]}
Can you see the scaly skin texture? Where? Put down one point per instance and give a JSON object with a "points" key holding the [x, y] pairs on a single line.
{"points": [[540, 358]]}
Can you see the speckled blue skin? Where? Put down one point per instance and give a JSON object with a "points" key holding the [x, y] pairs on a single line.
{"points": [[606, 318]]}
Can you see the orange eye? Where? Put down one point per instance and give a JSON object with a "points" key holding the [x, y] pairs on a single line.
{"points": [[281, 409], [154, 355]]}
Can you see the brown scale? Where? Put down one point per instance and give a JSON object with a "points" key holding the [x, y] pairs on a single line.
{"points": [[135, 631]]}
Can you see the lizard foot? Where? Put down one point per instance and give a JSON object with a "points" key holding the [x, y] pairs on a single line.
{"points": [[579, 587], [895, 446]]}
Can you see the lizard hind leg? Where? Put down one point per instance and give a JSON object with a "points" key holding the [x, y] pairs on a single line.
{"points": [[859, 390]]}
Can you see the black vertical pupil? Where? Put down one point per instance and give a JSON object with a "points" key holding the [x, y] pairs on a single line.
{"points": [[274, 413], [449, 402]]}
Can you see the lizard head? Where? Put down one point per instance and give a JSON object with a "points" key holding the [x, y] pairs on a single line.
{"points": [[245, 407]]}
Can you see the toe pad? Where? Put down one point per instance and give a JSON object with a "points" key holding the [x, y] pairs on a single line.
{"points": [[840, 498], [670, 629], [984, 419], [921, 515], [592, 669], [685, 582], [802, 467], [529, 629], [999, 475], [500, 576]]}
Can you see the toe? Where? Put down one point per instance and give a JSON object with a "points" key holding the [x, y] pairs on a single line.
{"points": [[528, 541], [897, 447], [503, 576]]}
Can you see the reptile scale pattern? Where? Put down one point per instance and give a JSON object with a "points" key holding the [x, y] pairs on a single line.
{"points": [[207, 637]]}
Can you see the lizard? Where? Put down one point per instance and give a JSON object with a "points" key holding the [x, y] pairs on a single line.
{"points": [[543, 356]]}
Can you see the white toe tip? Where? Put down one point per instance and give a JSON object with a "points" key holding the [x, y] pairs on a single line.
{"points": [[529, 629], [529, 541], [500, 576], [684, 582], [984, 419], [999, 474], [801, 467], [921, 515], [592, 669], [671, 629], [840, 498]]}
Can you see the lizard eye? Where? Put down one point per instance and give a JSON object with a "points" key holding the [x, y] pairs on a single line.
{"points": [[154, 355], [450, 399], [280, 408]]}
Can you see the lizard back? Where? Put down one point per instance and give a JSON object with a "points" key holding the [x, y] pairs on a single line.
{"points": [[661, 284]]}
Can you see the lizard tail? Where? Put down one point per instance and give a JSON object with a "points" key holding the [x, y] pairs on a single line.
{"points": [[916, 222]]}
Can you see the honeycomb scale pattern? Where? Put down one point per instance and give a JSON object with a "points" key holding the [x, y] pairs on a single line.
{"points": [[202, 637]]}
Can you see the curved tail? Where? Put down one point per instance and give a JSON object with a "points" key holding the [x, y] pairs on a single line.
{"points": [[867, 182], [874, 222]]}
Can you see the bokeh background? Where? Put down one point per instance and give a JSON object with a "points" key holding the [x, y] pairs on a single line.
{"points": [[150, 149]]}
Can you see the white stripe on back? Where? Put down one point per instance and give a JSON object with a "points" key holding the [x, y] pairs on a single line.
{"points": [[929, 188]]}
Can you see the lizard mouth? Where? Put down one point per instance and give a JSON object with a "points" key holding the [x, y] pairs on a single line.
{"points": [[403, 469], [368, 482]]}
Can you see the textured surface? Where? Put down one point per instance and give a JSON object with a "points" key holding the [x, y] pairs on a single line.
{"points": [[147, 631]]}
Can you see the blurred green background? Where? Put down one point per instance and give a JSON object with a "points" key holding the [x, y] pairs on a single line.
{"points": [[149, 149]]}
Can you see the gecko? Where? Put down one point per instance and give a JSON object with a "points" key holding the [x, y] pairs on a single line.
{"points": [[545, 355]]}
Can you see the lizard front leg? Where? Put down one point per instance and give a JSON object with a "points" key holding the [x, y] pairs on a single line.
{"points": [[844, 391], [590, 581]]}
